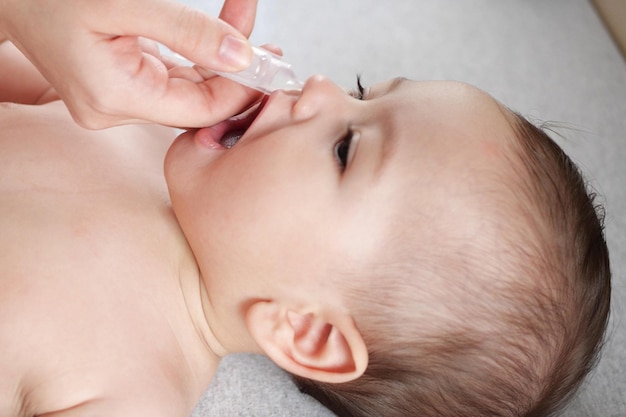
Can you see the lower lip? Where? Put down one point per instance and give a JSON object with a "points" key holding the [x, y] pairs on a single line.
{"points": [[209, 137]]}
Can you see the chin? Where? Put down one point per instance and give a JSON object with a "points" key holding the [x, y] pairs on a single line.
{"points": [[177, 167], [183, 159]]}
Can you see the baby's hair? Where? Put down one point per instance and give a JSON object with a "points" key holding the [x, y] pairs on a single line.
{"points": [[523, 349]]}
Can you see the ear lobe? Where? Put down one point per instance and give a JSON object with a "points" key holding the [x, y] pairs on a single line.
{"points": [[307, 345]]}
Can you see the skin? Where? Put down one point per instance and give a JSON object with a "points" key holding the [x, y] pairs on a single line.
{"points": [[283, 228], [102, 57], [109, 309], [99, 288]]}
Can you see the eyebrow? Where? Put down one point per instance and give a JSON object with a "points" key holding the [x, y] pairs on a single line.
{"points": [[396, 83], [390, 142], [393, 85]]}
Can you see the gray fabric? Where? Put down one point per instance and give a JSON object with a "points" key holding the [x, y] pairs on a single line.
{"points": [[548, 59]]}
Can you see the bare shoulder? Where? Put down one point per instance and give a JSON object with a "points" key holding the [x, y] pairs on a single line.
{"points": [[20, 81], [85, 277], [49, 128]]}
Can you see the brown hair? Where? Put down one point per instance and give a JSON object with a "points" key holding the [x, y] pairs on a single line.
{"points": [[524, 349]]}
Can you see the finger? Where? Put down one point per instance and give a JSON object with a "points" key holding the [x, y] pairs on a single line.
{"points": [[207, 73], [139, 87], [240, 14], [169, 62], [189, 104], [148, 46], [197, 36], [275, 49], [184, 103], [188, 73]]}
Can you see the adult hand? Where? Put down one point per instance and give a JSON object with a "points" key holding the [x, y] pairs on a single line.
{"points": [[102, 59]]}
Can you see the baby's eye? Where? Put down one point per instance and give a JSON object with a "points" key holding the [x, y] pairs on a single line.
{"points": [[342, 149]]}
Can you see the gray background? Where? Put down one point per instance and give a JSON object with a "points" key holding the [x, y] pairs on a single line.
{"points": [[551, 60]]}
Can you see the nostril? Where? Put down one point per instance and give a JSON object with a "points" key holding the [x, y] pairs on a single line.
{"points": [[311, 98], [318, 93], [302, 110]]}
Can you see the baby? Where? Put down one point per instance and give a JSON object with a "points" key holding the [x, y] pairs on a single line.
{"points": [[410, 249]]}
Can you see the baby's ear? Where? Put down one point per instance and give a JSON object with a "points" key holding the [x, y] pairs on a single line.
{"points": [[328, 349]]}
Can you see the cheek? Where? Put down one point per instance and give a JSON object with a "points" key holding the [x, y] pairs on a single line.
{"points": [[183, 167], [225, 208], [252, 201]]}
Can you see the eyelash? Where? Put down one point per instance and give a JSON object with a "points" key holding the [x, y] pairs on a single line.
{"points": [[342, 148], [361, 92]]}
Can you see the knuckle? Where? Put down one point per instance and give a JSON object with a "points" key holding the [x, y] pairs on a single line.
{"points": [[88, 120], [92, 114]]}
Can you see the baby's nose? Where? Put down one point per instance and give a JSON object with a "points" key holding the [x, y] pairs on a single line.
{"points": [[318, 93]]}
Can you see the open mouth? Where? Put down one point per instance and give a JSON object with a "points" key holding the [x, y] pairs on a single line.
{"points": [[230, 131], [231, 138]]}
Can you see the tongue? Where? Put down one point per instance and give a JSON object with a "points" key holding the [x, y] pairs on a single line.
{"points": [[231, 138]]}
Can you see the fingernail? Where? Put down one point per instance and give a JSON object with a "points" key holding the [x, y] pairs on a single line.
{"points": [[235, 52]]}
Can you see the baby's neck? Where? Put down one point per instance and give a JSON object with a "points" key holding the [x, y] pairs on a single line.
{"points": [[196, 299]]}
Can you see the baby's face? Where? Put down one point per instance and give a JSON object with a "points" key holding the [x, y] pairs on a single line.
{"points": [[315, 183]]}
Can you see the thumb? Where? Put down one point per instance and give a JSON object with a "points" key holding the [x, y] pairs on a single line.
{"points": [[199, 37]]}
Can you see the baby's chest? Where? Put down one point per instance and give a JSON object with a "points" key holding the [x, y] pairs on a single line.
{"points": [[85, 305], [86, 288], [74, 330]]}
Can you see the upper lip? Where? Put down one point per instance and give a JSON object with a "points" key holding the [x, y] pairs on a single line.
{"points": [[240, 122], [246, 119], [271, 113], [258, 111]]}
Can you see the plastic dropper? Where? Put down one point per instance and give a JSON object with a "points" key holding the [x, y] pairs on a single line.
{"points": [[267, 73]]}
